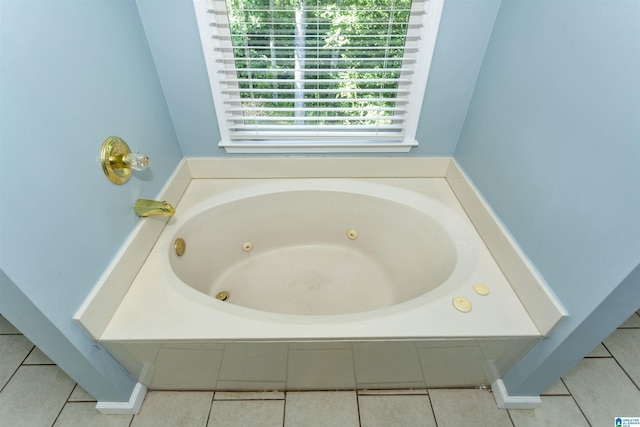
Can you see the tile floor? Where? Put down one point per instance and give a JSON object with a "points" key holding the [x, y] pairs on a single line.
{"points": [[35, 392]]}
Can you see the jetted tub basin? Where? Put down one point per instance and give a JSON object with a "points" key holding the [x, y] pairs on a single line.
{"points": [[320, 247]]}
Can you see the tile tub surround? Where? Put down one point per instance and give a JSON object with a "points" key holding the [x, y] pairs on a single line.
{"points": [[99, 308], [326, 365], [593, 395]]}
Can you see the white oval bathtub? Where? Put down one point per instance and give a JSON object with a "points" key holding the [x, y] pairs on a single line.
{"points": [[313, 305], [320, 248]]}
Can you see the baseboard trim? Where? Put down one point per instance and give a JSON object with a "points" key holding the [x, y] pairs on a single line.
{"points": [[132, 407], [504, 401]]}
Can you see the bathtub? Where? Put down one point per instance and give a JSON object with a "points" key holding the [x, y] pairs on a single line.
{"points": [[337, 250], [331, 284]]}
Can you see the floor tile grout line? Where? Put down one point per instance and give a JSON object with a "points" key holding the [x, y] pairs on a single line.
{"points": [[584, 415], [433, 411], [213, 396], [65, 402], [623, 369], [510, 418], [358, 408], [16, 370], [284, 409], [576, 402]]}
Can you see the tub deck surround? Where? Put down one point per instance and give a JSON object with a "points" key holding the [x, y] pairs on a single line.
{"points": [[541, 303], [170, 335], [95, 312], [158, 303]]}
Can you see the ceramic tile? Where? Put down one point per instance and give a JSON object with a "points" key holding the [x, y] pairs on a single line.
{"points": [[320, 345], [603, 391], [254, 362], [455, 408], [624, 345], [387, 365], [34, 396], [248, 386], [80, 395], [320, 369], [174, 408], [555, 411], [632, 322], [76, 414], [557, 389], [453, 366], [406, 411], [37, 357], [417, 391], [599, 351], [13, 350], [186, 369], [321, 409], [248, 395], [246, 413], [6, 327]]}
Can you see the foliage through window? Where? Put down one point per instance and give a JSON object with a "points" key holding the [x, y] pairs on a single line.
{"points": [[315, 72]]}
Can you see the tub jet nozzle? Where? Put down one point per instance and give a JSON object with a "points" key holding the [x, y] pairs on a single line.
{"points": [[222, 296]]}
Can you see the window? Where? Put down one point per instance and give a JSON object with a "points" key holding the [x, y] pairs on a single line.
{"points": [[318, 75]]}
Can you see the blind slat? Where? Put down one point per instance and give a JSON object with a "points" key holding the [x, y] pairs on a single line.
{"points": [[322, 91], [313, 82], [316, 110], [316, 71], [325, 135], [252, 121], [233, 103]]}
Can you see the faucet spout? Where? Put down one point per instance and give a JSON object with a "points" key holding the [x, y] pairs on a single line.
{"points": [[144, 207]]}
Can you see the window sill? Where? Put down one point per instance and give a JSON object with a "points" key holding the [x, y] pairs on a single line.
{"points": [[239, 147]]}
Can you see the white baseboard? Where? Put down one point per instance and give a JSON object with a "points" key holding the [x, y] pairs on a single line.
{"points": [[132, 407], [504, 401]]}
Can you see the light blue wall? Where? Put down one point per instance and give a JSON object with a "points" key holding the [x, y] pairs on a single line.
{"points": [[173, 36], [172, 32], [72, 73], [463, 35], [552, 140], [550, 137]]}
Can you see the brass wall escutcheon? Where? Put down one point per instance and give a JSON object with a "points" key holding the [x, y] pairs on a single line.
{"points": [[118, 161], [180, 246]]}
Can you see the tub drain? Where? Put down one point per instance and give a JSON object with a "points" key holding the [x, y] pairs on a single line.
{"points": [[222, 296], [180, 246]]}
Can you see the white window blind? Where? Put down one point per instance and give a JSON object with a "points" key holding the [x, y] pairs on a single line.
{"points": [[346, 74]]}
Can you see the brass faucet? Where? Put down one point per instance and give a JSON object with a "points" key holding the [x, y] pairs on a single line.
{"points": [[144, 207]]}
